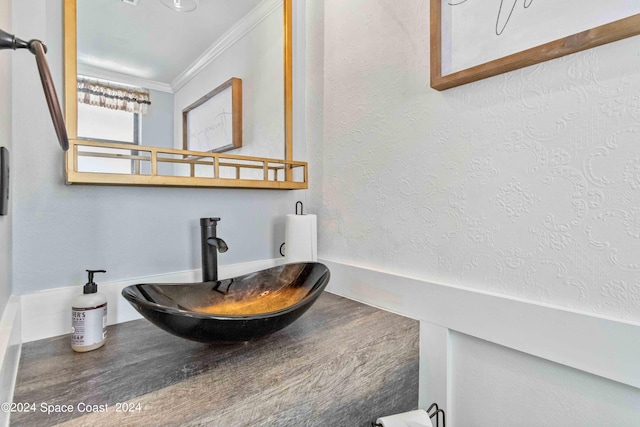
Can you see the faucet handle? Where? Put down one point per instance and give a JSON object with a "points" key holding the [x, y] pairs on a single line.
{"points": [[207, 222]]}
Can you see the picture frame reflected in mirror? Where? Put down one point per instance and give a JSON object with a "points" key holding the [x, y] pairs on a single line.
{"points": [[214, 122]]}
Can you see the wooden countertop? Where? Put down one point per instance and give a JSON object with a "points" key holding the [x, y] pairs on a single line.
{"points": [[342, 363]]}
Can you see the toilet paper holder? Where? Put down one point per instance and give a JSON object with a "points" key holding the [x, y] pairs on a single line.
{"points": [[434, 413], [301, 213]]}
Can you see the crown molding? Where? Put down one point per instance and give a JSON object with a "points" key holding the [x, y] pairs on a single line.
{"points": [[246, 24], [235, 33]]}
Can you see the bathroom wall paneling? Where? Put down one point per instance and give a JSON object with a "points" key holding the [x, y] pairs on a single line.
{"points": [[587, 351]]}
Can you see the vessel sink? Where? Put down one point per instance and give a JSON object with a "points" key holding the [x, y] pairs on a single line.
{"points": [[236, 309]]}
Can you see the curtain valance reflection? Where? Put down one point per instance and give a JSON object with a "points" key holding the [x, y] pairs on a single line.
{"points": [[111, 95]]}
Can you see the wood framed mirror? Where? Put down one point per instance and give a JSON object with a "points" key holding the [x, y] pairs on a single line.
{"points": [[101, 160]]}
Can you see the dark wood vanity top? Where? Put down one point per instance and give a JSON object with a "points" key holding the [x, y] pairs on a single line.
{"points": [[342, 363]]}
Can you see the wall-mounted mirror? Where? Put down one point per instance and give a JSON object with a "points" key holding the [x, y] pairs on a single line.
{"points": [[146, 95]]}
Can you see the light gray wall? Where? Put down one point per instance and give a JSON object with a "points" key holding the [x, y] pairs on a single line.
{"points": [[59, 231], [157, 127], [5, 141], [157, 124]]}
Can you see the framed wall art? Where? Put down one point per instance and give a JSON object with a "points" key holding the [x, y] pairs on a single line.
{"points": [[475, 39]]}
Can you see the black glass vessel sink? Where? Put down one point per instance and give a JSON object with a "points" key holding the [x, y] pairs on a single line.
{"points": [[236, 309]]}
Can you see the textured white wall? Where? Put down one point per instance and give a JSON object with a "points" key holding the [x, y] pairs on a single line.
{"points": [[59, 231], [5, 141], [527, 183]]}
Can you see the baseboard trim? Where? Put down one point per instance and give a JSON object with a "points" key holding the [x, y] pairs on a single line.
{"points": [[47, 313], [602, 346], [10, 347]]}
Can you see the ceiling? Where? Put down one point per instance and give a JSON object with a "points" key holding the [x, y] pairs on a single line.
{"points": [[150, 41]]}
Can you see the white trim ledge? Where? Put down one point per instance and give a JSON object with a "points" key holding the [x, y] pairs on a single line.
{"points": [[10, 347], [47, 313], [602, 346]]}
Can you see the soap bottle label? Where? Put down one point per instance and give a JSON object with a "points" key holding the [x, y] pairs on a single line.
{"points": [[88, 325]]}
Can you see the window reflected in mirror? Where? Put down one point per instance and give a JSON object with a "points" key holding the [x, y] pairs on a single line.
{"points": [[109, 112], [102, 124]]}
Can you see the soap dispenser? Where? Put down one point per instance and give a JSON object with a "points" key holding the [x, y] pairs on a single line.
{"points": [[89, 317]]}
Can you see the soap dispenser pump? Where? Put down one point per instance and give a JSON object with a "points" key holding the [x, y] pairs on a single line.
{"points": [[89, 317]]}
